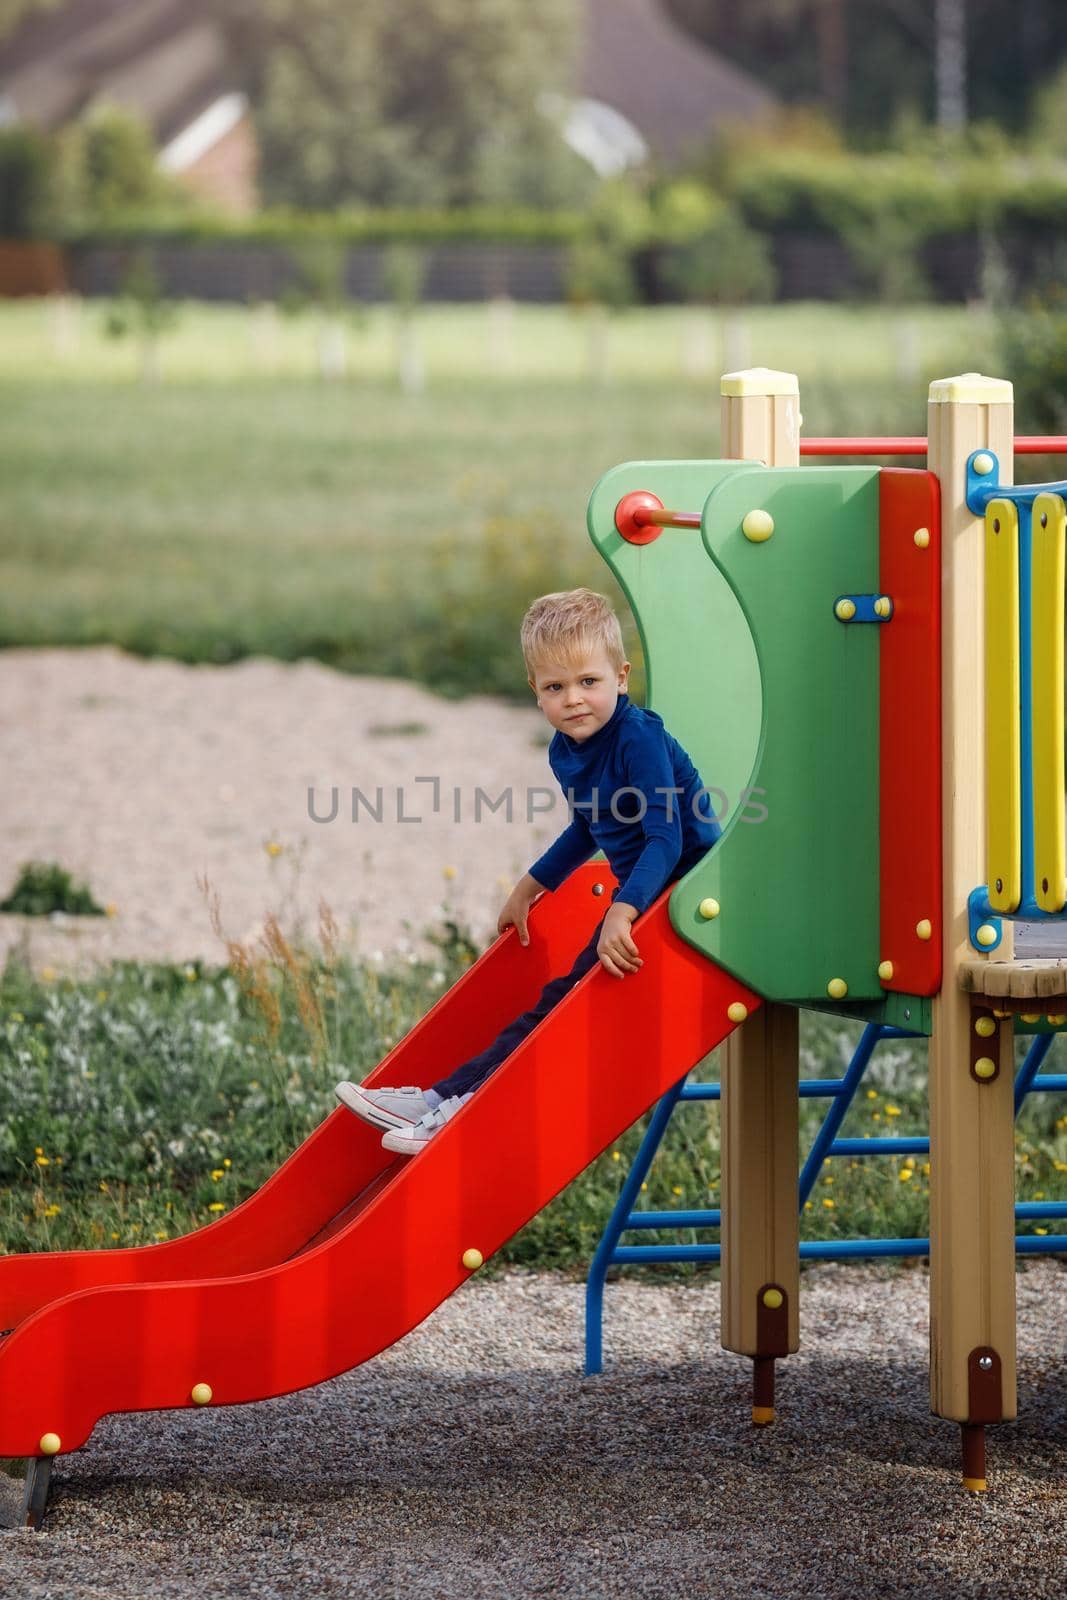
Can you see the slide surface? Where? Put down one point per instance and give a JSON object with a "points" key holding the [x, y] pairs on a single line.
{"points": [[346, 1248]]}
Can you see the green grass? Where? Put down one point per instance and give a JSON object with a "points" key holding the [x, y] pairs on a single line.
{"points": [[236, 509], [138, 1105]]}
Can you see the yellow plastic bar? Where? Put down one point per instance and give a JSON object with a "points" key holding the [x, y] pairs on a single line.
{"points": [[1003, 806], [1046, 655]]}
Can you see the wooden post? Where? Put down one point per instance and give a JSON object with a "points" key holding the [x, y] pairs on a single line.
{"points": [[760, 1115], [972, 1193]]}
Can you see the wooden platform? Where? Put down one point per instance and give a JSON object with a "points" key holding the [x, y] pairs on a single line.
{"points": [[1016, 982]]}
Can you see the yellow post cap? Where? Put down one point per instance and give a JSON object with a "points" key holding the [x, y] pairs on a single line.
{"points": [[50, 1444], [773, 1298], [762, 1416], [757, 526], [737, 1011], [924, 929], [472, 1259], [986, 934], [837, 988], [709, 908], [971, 388], [845, 610], [985, 1067], [201, 1394], [885, 970], [985, 1027], [922, 537], [759, 381]]}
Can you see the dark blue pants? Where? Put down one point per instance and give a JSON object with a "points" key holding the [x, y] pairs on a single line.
{"points": [[473, 1073]]}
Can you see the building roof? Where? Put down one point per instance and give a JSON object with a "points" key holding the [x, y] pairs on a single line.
{"points": [[168, 61]]}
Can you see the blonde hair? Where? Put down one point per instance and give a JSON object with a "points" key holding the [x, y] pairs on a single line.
{"points": [[561, 627]]}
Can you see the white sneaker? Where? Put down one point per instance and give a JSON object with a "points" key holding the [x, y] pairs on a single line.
{"points": [[384, 1108], [409, 1141]]}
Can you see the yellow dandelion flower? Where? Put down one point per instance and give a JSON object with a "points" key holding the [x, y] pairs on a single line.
{"points": [[644, 1188], [872, 1094], [52, 1210], [807, 1205], [161, 1235], [1041, 1230], [827, 1161], [449, 873], [38, 1150], [104, 1188], [47, 974], [1061, 1166], [829, 1204], [892, 1111], [1039, 1194], [828, 1180], [226, 1161], [926, 1169], [876, 1116], [616, 1155], [905, 1174], [677, 1189], [216, 1205], [217, 1174], [42, 1161], [114, 1235], [111, 909], [273, 848], [101, 994]]}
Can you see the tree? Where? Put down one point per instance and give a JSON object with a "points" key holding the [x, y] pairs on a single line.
{"points": [[408, 102]]}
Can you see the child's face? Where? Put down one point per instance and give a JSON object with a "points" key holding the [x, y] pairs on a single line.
{"points": [[580, 697]]}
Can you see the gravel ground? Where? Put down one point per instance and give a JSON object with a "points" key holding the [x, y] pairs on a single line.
{"points": [[473, 1460], [140, 776]]}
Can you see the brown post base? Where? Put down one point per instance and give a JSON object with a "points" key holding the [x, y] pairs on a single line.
{"points": [[762, 1390], [973, 1439]]}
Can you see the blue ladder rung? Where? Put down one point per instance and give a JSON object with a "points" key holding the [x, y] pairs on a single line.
{"points": [[880, 1146], [673, 1219]]}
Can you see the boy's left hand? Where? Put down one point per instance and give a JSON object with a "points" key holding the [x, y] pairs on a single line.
{"points": [[615, 947]]}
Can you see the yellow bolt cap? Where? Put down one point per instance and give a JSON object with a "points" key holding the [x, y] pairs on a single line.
{"points": [[201, 1394], [837, 988], [773, 1298], [983, 464], [1056, 1019], [924, 929], [881, 606], [709, 908], [1030, 1016], [985, 1027], [986, 934], [985, 1067], [845, 610], [50, 1444], [472, 1259], [1002, 1014], [922, 537], [758, 526], [885, 970], [737, 1011]]}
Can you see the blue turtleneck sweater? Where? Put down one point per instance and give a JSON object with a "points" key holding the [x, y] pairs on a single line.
{"points": [[633, 761]]}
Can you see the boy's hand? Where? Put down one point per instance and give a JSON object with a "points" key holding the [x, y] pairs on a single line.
{"points": [[615, 947], [516, 907]]}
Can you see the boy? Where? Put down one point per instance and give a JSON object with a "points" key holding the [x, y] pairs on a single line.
{"points": [[634, 794]]}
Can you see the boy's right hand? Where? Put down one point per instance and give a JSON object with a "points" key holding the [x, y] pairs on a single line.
{"points": [[516, 907]]}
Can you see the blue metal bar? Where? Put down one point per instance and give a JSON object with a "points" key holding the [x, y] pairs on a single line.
{"points": [[809, 1088], [1026, 1210], [842, 1249], [880, 1147], [701, 1091], [1033, 1244], [1049, 1082], [605, 1250], [1026, 1244], [634, 1254], [673, 1219], [826, 1135], [1024, 1078]]}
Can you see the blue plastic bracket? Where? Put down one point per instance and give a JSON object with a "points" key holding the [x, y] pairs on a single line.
{"points": [[864, 604], [979, 914]]}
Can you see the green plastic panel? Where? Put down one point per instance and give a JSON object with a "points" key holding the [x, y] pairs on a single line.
{"points": [[799, 890], [703, 673]]}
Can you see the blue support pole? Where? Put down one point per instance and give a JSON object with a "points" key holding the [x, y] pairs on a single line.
{"points": [[1024, 1078], [838, 1109]]}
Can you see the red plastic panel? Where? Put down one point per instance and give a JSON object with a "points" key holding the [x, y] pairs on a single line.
{"points": [[600, 1059], [910, 730]]}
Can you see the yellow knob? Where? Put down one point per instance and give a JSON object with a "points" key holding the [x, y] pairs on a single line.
{"points": [[923, 928], [773, 1298], [985, 1027], [472, 1259], [1030, 1016], [758, 526], [885, 970], [986, 934], [982, 464], [922, 537], [737, 1011], [881, 606], [837, 988], [708, 908], [1056, 1019], [845, 610], [985, 1067], [50, 1444], [201, 1394]]}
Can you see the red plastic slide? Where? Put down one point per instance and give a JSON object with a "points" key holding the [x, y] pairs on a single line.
{"points": [[346, 1248]]}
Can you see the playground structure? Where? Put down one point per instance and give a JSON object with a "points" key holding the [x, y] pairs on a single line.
{"points": [[843, 608]]}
